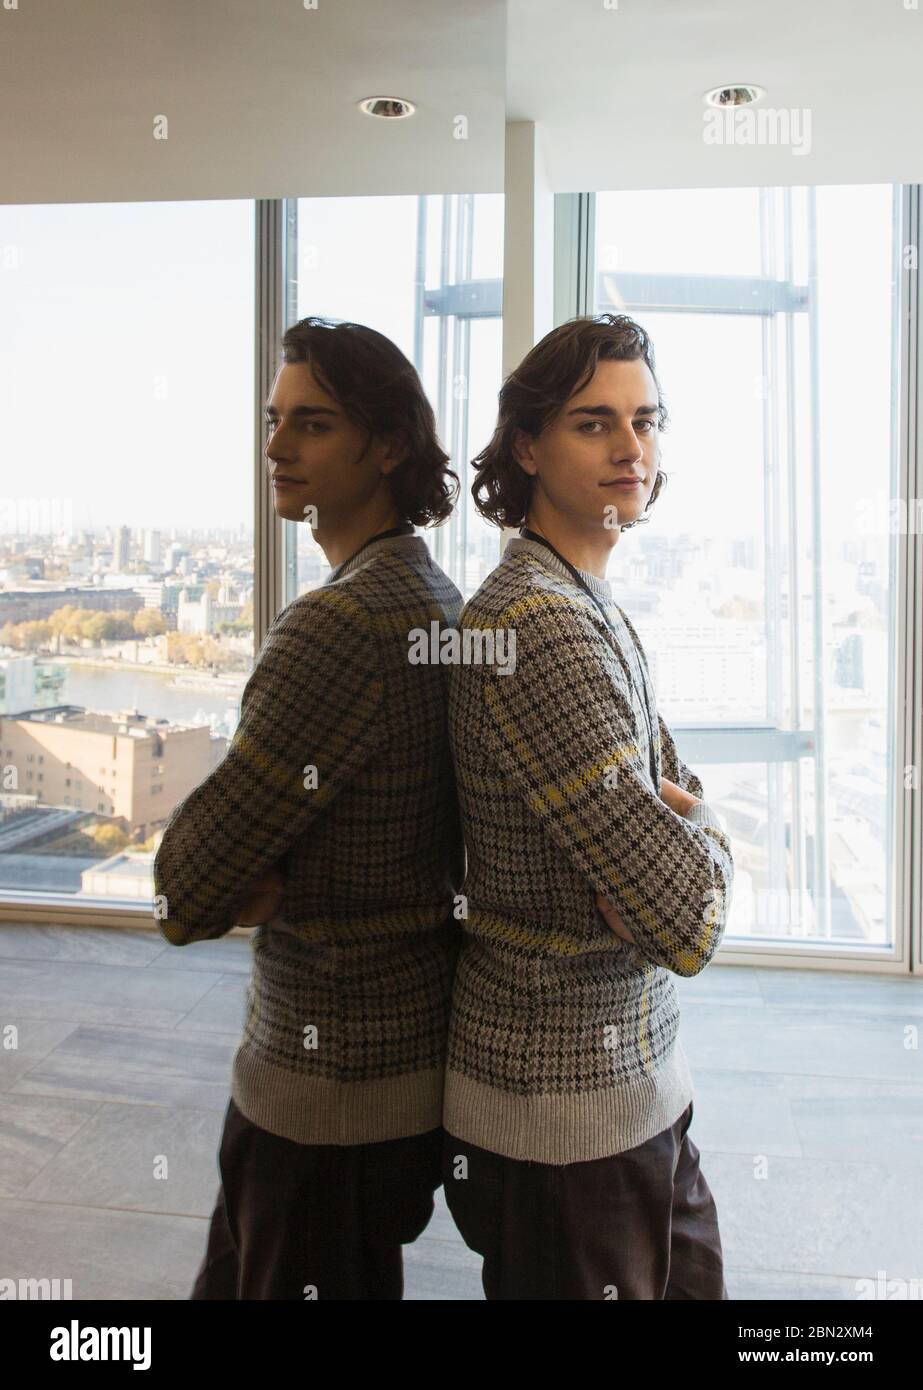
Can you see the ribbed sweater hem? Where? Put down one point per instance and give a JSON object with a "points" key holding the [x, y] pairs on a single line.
{"points": [[315, 1110], [575, 1128]]}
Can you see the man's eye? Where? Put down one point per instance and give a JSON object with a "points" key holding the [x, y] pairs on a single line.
{"points": [[312, 426], [589, 425]]}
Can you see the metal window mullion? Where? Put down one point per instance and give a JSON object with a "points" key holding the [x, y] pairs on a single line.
{"points": [[776, 863], [574, 255], [272, 251], [289, 529], [586, 265], [907, 862], [462, 461], [443, 536], [798, 834], [675, 293], [821, 884], [419, 286]]}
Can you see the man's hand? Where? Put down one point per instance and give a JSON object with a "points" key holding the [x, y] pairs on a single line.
{"points": [[677, 800], [263, 900], [613, 919]]}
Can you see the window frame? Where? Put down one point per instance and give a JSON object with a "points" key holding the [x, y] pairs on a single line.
{"points": [[274, 562], [575, 293], [275, 294]]}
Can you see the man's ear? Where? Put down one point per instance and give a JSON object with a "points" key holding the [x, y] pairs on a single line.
{"points": [[394, 451], [522, 451]]}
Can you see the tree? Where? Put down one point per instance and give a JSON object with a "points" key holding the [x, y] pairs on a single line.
{"points": [[148, 622], [740, 609], [28, 636], [69, 622], [177, 643], [109, 837], [96, 629], [108, 627], [36, 634], [122, 625]]}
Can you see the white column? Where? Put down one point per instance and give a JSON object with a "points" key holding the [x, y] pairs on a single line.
{"points": [[528, 249]]}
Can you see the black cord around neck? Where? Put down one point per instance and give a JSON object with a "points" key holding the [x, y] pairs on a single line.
{"points": [[404, 529]]}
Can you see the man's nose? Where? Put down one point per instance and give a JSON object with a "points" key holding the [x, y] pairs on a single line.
{"points": [[626, 447]]}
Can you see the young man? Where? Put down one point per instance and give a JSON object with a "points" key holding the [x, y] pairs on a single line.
{"points": [[595, 870], [332, 824]]}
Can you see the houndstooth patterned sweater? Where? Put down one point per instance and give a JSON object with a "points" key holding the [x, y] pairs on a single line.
{"points": [[347, 1011], [563, 1042]]}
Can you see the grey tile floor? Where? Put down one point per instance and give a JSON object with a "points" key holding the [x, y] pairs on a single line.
{"points": [[808, 1115]]}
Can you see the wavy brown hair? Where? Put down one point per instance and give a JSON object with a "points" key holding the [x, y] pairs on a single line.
{"points": [[380, 391], [531, 396]]}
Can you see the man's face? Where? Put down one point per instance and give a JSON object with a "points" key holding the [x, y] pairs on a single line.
{"points": [[316, 456], [597, 460]]}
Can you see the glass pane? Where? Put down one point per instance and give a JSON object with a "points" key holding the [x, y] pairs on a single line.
{"points": [[368, 259], [126, 574], [720, 231], [763, 585], [695, 578]]}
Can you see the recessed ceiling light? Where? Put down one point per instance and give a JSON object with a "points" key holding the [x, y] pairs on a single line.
{"points": [[734, 94], [388, 108]]}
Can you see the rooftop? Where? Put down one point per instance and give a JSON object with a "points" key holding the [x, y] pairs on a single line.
{"points": [[129, 722]]}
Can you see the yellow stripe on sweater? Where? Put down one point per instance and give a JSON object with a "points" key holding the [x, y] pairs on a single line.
{"points": [[550, 795], [542, 941]]}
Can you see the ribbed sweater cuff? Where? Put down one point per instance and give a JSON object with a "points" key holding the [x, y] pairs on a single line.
{"points": [[703, 814]]}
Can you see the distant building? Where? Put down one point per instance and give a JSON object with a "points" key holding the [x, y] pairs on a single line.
{"points": [[152, 548], [175, 553], [126, 765], [708, 668], [163, 598], [195, 611], [151, 594], [847, 662], [224, 613], [169, 605], [742, 553], [199, 613], [124, 875], [27, 683], [24, 605], [122, 549]]}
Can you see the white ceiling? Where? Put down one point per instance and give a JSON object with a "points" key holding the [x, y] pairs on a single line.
{"points": [[260, 97], [260, 94], [619, 91]]}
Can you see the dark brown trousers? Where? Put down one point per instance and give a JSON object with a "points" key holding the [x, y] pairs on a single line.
{"points": [[325, 1221], [639, 1225]]}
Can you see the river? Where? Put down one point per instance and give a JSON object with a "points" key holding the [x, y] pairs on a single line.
{"points": [[154, 694]]}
